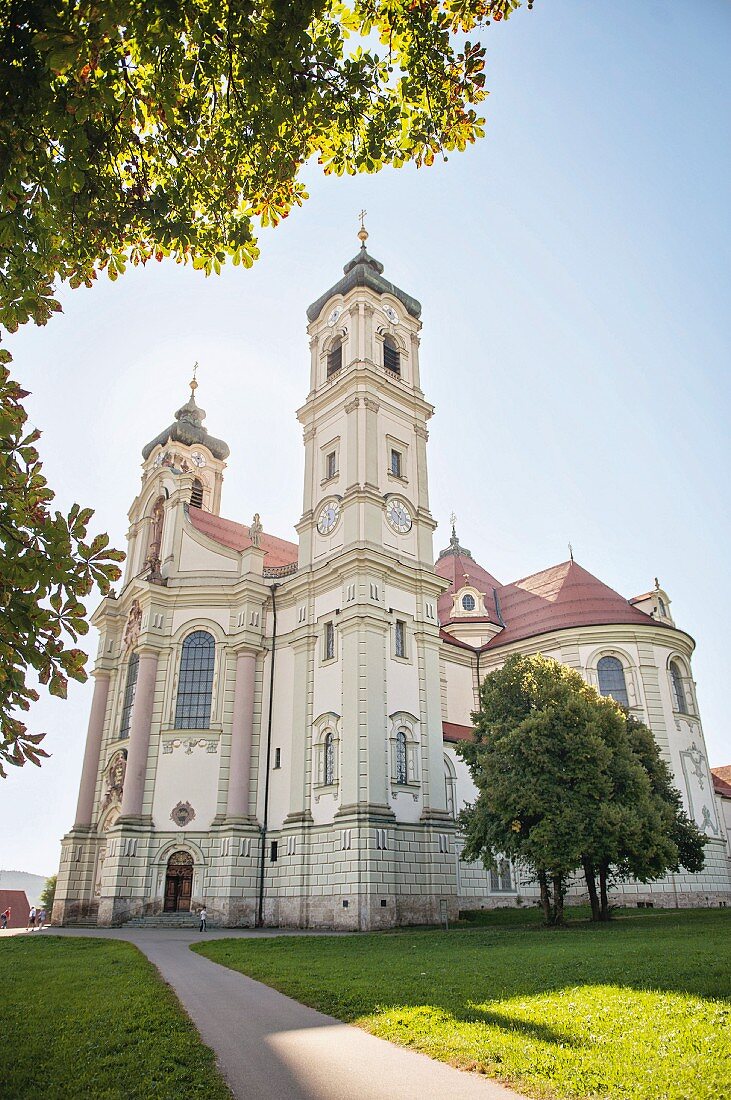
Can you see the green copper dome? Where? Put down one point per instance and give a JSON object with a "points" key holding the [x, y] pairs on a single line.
{"points": [[188, 429], [364, 270]]}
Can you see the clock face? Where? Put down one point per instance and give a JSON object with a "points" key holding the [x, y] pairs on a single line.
{"points": [[198, 459], [398, 516], [328, 518], [391, 314], [334, 315]]}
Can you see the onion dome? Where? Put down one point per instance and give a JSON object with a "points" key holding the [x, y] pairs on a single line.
{"points": [[363, 270], [188, 429]]}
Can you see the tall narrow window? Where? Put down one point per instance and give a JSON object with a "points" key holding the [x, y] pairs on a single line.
{"points": [[329, 641], [196, 494], [402, 775], [501, 876], [195, 686], [330, 468], [400, 638], [129, 695], [328, 776], [663, 608], [391, 356], [679, 699], [396, 463], [335, 358], [611, 679]]}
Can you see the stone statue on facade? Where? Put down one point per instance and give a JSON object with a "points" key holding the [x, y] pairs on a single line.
{"points": [[255, 531]]}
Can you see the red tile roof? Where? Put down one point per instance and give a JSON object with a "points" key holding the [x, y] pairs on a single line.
{"points": [[722, 780], [452, 731], [19, 907], [459, 570], [565, 595], [236, 537]]}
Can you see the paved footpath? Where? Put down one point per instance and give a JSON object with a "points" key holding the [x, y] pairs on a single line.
{"points": [[270, 1047]]}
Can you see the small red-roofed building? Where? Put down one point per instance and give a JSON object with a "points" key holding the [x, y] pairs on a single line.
{"points": [[275, 722], [17, 902]]}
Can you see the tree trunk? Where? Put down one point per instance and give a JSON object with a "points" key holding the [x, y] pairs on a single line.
{"points": [[603, 896], [590, 877], [545, 897], [557, 900]]}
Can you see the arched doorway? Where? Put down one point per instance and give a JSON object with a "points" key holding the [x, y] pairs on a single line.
{"points": [[178, 883]]}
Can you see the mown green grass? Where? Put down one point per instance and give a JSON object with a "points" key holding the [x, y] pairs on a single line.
{"points": [[638, 1010], [86, 1018]]}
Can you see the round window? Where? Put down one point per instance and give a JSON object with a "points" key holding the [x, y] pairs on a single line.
{"points": [[468, 602]]}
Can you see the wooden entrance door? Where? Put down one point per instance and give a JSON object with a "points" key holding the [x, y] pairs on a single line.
{"points": [[178, 883]]}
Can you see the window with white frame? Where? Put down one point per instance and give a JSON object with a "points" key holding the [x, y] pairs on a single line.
{"points": [[331, 465], [130, 688], [680, 701], [501, 876], [610, 674], [399, 638], [326, 751], [396, 463], [328, 650], [195, 683], [335, 357], [391, 355], [401, 770], [328, 763]]}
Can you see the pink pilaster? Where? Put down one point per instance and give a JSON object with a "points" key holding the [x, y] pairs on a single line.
{"points": [[139, 735], [242, 728], [90, 770]]}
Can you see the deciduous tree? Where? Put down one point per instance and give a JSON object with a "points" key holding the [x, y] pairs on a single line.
{"points": [[133, 130]]}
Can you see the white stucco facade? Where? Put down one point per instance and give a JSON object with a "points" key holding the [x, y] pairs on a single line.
{"points": [[274, 725]]}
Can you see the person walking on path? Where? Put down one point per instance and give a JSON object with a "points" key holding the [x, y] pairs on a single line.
{"points": [[203, 915], [41, 919], [5, 918], [31, 919]]}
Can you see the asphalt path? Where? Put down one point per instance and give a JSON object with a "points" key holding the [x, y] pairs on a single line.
{"points": [[269, 1047]]}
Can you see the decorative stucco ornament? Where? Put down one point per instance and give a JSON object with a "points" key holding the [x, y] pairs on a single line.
{"points": [[182, 814]]}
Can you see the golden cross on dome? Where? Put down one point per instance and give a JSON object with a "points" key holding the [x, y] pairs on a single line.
{"points": [[571, 552], [193, 383], [362, 232], [453, 521]]}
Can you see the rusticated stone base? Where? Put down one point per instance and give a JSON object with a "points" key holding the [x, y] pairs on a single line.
{"points": [[68, 912], [116, 911]]}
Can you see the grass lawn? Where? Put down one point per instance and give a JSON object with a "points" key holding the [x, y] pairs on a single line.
{"points": [[87, 1018], [638, 1010]]}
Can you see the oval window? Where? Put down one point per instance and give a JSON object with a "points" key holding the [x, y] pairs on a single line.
{"points": [[468, 602]]}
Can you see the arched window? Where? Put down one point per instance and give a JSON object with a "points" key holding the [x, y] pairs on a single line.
{"points": [[611, 679], [450, 786], [391, 355], [663, 608], [676, 678], [468, 602], [328, 776], [129, 695], [195, 686], [402, 775], [196, 494], [335, 357]]}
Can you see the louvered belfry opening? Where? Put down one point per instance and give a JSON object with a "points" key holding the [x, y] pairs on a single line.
{"points": [[391, 356], [335, 358], [196, 495]]}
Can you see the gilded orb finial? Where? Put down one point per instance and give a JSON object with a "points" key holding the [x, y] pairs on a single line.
{"points": [[362, 232], [453, 521], [193, 383]]}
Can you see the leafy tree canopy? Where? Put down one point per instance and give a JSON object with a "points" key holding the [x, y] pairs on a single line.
{"points": [[48, 568], [48, 894], [150, 128], [567, 780], [140, 129]]}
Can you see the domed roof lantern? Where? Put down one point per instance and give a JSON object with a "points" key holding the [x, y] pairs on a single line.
{"points": [[364, 271], [188, 428]]}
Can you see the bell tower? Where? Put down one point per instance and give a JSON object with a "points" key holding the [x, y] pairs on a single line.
{"points": [[364, 422]]}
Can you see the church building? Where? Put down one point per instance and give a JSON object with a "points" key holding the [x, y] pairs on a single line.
{"points": [[273, 725]]}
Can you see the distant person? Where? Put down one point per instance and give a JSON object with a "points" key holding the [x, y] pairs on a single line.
{"points": [[5, 918], [31, 919], [41, 918], [203, 918]]}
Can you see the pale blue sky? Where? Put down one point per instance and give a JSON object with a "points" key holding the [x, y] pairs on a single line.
{"points": [[573, 269]]}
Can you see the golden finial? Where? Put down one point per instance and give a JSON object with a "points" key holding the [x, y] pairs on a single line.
{"points": [[193, 383], [453, 521], [362, 232]]}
